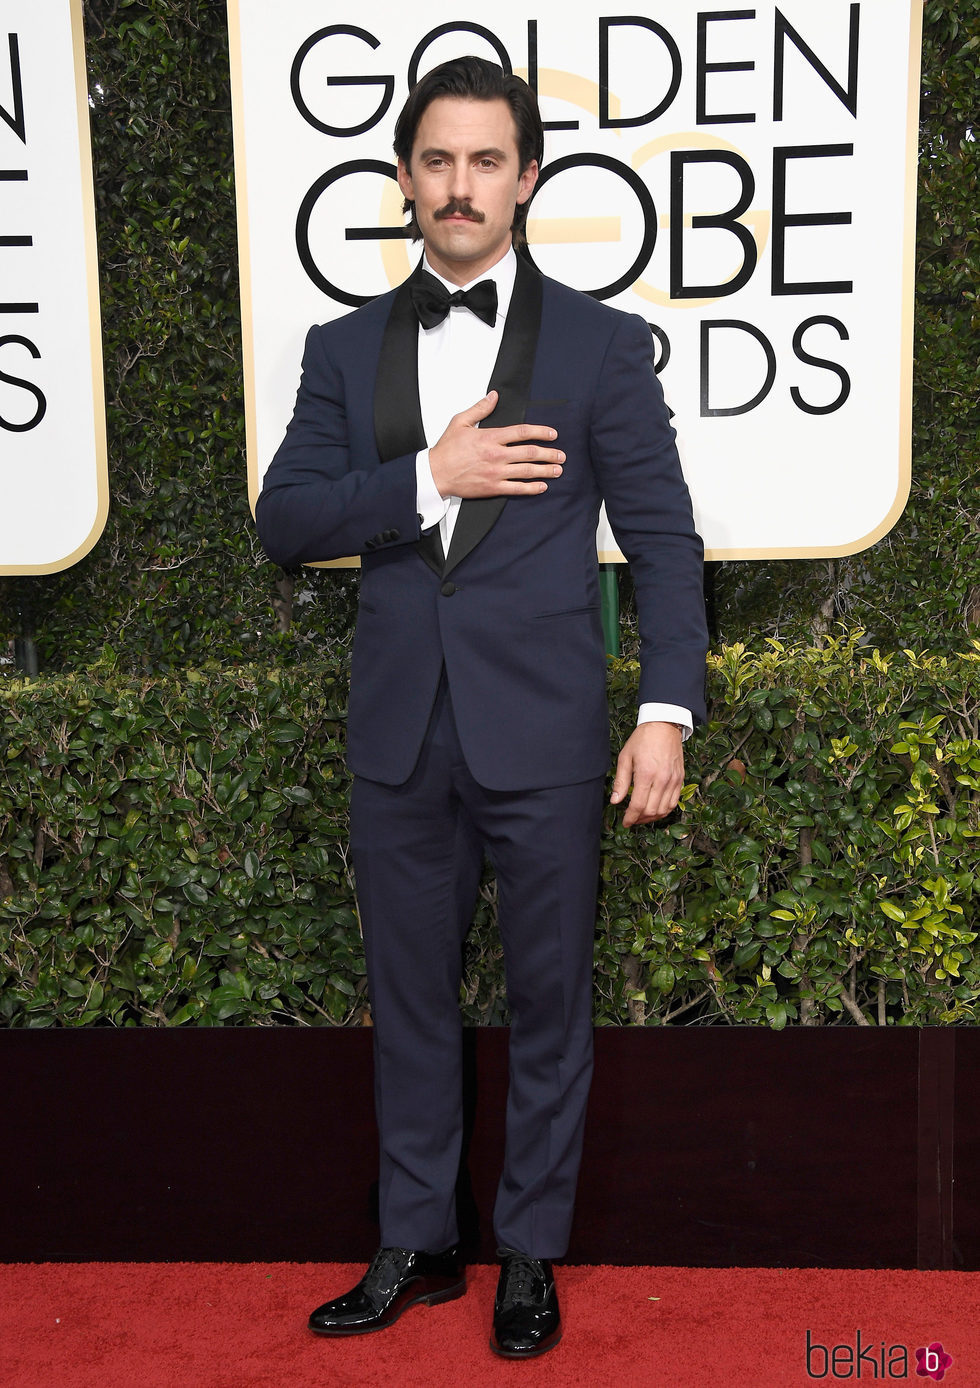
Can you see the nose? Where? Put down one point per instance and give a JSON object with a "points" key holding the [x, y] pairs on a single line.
{"points": [[460, 184]]}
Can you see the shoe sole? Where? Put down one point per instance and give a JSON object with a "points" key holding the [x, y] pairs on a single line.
{"points": [[524, 1353], [427, 1299]]}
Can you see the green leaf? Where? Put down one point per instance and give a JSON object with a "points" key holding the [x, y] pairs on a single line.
{"points": [[893, 912]]}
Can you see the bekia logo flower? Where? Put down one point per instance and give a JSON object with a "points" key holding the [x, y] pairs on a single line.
{"points": [[932, 1361]]}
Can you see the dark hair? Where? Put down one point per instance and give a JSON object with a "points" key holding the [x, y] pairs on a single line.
{"points": [[478, 80]]}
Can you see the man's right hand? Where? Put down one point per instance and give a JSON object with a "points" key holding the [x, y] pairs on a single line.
{"points": [[469, 461]]}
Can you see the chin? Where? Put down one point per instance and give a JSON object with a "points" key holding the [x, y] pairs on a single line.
{"points": [[457, 249]]}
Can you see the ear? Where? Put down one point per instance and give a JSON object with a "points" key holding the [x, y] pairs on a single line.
{"points": [[525, 186], [405, 181]]}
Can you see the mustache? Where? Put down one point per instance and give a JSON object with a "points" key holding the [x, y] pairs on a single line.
{"points": [[460, 207]]}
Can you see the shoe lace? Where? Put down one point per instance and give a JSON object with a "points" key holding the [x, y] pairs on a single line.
{"points": [[522, 1274], [384, 1262]]}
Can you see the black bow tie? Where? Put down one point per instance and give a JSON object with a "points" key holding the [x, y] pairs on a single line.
{"points": [[432, 300]]}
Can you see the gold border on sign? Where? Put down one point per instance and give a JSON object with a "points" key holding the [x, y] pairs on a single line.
{"points": [[236, 69], [87, 177]]}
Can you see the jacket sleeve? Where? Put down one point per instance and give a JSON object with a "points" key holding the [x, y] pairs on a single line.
{"points": [[320, 500], [649, 510]]}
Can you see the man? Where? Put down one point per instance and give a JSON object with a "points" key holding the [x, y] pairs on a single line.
{"points": [[477, 717]]}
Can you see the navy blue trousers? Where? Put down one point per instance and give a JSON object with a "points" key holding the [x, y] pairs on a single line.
{"points": [[418, 852]]}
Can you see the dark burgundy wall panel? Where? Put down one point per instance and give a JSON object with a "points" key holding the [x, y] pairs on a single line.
{"points": [[706, 1146]]}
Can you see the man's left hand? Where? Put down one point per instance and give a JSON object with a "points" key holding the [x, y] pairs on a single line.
{"points": [[652, 762]]}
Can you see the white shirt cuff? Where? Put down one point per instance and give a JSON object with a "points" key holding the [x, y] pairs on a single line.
{"points": [[431, 507], [667, 713]]}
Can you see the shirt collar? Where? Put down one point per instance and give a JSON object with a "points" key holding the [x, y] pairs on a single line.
{"points": [[503, 274]]}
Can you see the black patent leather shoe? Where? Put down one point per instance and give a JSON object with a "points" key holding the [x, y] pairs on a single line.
{"points": [[526, 1320], [397, 1278]]}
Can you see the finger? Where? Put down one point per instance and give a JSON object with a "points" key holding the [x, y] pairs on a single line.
{"points": [[507, 487], [651, 802], [528, 453], [518, 433], [529, 472], [640, 815], [621, 781], [637, 809], [478, 411]]}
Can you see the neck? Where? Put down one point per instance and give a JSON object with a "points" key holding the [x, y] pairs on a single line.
{"points": [[464, 272]]}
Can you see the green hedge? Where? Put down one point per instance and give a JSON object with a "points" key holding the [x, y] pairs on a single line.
{"points": [[174, 850]]}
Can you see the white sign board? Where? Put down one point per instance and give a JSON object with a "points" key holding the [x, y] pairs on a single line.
{"points": [[53, 474], [744, 179]]}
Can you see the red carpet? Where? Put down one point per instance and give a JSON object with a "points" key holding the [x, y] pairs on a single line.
{"points": [[214, 1325]]}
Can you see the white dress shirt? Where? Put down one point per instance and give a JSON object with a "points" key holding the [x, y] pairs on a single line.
{"points": [[455, 362]]}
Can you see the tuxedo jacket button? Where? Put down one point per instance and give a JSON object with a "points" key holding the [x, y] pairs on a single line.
{"points": [[447, 589]]}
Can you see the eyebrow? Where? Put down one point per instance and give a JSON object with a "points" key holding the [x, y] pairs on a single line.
{"points": [[476, 154]]}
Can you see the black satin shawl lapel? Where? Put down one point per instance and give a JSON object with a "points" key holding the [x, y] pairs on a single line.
{"points": [[397, 413], [511, 379], [398, 427]]}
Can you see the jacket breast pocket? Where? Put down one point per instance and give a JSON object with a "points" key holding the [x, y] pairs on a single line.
{"points": [[588, 611]]}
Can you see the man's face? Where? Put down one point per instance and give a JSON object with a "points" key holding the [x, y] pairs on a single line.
{"points": [[465, 182]]}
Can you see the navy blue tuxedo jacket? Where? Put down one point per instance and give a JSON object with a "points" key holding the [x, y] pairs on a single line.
{"points": [[513, 611]]}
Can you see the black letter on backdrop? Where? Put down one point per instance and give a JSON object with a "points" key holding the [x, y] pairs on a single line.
{"points": [[15, 121], [662, 341], [781, 219], [706, 325], [704, 67], [353, 166], [453, 27], [608, 122], [15, 176], [294, 82], [848, 95], [643, 197], [42, 404], [727, 221], [532, 76], [811, 360]]}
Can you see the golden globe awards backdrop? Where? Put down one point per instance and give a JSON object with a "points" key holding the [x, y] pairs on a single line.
{"points": [[54, 494], [743, 178]]}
